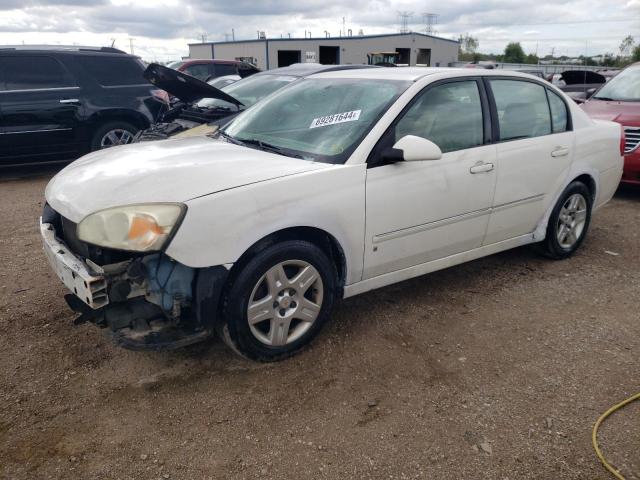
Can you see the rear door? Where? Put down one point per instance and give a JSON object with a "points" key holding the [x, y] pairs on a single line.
{"points": [[535, 149], [40, 109]]}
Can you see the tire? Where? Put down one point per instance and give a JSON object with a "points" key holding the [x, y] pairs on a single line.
{"points": [[286, 315], [568, 223], [122, 131]]}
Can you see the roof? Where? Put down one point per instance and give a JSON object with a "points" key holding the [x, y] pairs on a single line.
{"points": [[415, 73], [61, 48], [331, 39], [306, 69]]}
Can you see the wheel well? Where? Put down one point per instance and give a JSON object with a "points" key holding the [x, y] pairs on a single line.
{"points": [[323, 240], [135, 118], [589, 182]]}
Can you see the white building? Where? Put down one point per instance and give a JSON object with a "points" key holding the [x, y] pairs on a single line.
{"points": [[266, 53]]}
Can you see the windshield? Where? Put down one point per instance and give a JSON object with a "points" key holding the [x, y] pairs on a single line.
{"points": [[175, 65], [623, 87], [249, 90], [316, 119]]}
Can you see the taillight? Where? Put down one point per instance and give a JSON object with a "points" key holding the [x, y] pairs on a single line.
{"points": [[622, 140], [160, 95]]}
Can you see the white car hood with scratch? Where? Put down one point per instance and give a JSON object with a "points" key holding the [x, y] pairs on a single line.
{"points": [[163, 171]]}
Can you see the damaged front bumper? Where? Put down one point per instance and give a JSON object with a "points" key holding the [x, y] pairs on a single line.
{"points": [[147, 302]]}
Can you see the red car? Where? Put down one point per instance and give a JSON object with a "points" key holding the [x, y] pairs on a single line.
{"points": [[206, 69], [619, 100]]}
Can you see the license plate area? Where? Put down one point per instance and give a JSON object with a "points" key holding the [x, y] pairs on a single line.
{"points": [[89, 287]]}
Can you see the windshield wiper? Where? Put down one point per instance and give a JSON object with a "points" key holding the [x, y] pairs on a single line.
{"points": [[231, 139], [270, 148], [606, 99]]}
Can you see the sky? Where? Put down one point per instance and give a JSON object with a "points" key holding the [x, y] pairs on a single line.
{"points": [[160, 30]]}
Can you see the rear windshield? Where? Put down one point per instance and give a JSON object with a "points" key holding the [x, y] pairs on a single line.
{"points": [[111, 71], [623, 87], [249, 90]]}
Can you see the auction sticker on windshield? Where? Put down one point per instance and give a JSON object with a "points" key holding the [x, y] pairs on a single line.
{"points": [[351, 116]]}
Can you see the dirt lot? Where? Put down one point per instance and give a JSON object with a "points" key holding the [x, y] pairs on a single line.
{"points": [[492, 370]]}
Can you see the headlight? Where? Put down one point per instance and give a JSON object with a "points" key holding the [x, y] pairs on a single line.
{"points": [[140, 228]]}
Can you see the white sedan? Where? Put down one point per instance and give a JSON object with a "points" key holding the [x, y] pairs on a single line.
{"points": [[338, 184]]}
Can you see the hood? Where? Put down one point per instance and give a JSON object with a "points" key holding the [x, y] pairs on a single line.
{"points": [[187, 88], [163, 171], [626, 113]]}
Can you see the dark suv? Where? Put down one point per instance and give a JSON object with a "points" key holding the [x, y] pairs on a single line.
{"points": [[61, 102]]}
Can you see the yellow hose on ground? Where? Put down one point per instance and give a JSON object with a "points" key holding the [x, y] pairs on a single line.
{"points": [[594, 434]]}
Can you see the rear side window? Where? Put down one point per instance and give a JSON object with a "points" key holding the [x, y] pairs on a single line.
{"points": [[559, 115], [112, 71], [32, 72], [449, 115], [523, 111]]}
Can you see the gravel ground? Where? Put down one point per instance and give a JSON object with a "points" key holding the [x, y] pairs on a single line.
{"points": [[495, 369]]}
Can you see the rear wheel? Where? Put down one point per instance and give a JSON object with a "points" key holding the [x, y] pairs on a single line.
{"points": [[569, 222], [111, 134], [279, 301]]}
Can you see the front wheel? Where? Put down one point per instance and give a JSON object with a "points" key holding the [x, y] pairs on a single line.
{"points": [[569, 222], [279, 301], [111, 134]]}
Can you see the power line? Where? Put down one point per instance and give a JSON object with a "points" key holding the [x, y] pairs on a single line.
{"points": [[492, 24]]}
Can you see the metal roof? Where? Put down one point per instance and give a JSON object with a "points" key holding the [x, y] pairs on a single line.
{"points": [[325, 39]]}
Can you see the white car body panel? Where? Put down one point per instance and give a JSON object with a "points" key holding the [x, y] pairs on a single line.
{"points": [[167, 171], [219, 228], [236, 196], [440, 204]]}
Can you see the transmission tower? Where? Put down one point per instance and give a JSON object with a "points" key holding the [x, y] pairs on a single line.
{"points": [[430, 20], [404, 17]]}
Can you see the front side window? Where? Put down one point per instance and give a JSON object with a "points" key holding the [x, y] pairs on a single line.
{"points": [[523, 111], [559, 114], [449, 115], [34, 72], [317, 119]]}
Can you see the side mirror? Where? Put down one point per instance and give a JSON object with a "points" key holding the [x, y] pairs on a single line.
{"points": [[412, 149]]}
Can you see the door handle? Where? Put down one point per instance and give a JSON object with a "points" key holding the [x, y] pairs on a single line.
{"points": [[560, 152], [69, 100], [481, 168]]}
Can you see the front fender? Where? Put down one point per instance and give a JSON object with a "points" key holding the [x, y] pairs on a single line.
{"points": [[220, 227]]}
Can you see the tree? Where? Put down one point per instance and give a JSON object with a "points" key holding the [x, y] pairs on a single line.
{"points": [[626, 46], [513, 53], [468, 47], [532, 59], [635, 56]]}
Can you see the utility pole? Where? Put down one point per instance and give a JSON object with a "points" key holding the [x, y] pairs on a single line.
{"points": [[131, 45]]}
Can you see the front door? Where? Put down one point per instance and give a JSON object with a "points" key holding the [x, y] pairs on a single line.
{"points": [[535, 150], [40, 109], [421, 211]]}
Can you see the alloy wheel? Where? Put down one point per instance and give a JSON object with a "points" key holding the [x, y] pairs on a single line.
{"points": [[117, 136], [285, 303], [571, 221]]}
